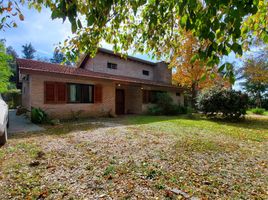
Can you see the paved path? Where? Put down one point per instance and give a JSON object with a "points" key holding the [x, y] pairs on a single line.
{"points": [[20, 124]]}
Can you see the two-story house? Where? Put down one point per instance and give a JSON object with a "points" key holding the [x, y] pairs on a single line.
{"points": [[105, 84]]}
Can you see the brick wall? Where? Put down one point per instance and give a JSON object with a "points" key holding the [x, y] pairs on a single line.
{"points": [[133, 99], [162, 73], [68, 110], [25, 94], [34, 97], [124, 67]]}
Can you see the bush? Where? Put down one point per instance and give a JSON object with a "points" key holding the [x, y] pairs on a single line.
{"points": [[264, 103], [165, 106], [38, 116], [13, 98], [258, 111], [221, 102]]}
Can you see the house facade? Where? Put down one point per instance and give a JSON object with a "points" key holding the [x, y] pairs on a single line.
{"points": [[104, 85]]}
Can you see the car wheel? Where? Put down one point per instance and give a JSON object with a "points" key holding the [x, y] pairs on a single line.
{"points": [[3, 138]]}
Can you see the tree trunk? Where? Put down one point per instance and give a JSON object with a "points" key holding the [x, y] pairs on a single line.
{"points": [[193, 95], [258, 100]]}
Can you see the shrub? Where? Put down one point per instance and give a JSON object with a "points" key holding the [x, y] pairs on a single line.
{"points": [[38, 116], [13, 98], [222, 102], [165, 106], [258, 111]]}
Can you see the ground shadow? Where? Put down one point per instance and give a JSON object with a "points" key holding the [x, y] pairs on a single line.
{"points": [[88, 124]]}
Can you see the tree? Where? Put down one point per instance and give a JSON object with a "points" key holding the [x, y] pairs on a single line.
{"points": [[5, 71], [59, 58], [255, 73], [12, 52], [148, 25], [189, 70], [28, 50], [12, 64]]}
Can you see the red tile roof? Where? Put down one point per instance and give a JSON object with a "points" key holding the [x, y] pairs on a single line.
{"points": [[38, 66]]}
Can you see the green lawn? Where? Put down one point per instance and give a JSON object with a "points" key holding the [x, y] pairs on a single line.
{"points": [[264, 114], [138, 157]]}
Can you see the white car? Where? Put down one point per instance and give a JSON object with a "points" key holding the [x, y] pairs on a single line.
{"points": [[3, 121]]}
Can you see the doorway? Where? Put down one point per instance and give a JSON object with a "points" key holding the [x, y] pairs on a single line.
{"points": [[120, 102]]}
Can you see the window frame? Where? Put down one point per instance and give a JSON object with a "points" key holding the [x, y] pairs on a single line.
{"points": [[145, 72], [111, 65], [81, 93]]}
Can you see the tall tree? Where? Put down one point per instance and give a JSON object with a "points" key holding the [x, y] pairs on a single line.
{"points": [[5, 71], [255, 73], [28, 51], [189, 70]]}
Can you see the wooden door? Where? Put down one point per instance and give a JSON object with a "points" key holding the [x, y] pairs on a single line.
{"points": [[120, 102]]}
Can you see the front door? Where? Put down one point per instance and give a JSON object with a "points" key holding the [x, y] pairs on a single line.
{"points": [[120, 102]]}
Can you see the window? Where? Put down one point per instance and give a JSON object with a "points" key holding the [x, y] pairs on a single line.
{"points": [[55, 92], [80, 93], [150, 96], [111, 65], [145, 72], [58, 92]]}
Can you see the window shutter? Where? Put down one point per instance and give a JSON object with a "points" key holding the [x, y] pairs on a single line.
{"points": [[61, 92], [98, 94], [50, 92]]}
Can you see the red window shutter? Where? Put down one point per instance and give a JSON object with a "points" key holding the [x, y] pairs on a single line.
{"points": [[98, 94], [61, 92], [50, 92]]}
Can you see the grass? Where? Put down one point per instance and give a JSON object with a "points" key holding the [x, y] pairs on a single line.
{"points": [[139, 156], [250, 129], [249, 112]]}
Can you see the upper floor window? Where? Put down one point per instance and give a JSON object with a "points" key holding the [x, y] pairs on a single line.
{"points": [[145, 72], [111, 65]]}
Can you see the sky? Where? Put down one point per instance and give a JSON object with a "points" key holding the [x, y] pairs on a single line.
{"points": [[45, 34]]}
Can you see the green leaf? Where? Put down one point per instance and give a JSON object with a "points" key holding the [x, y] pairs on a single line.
{"points": [[79, 23], [74, 27], [183, 20], [194, 58], [221, 68]]}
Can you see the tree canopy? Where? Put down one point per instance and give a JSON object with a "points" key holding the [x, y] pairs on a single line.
{"points": [[5, 71], [190, 71], [59, 58], [28, 51], [150, 25], [255, 73]]}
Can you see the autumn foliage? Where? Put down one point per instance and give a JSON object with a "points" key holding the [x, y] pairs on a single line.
{"points": [[189, 70]]}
